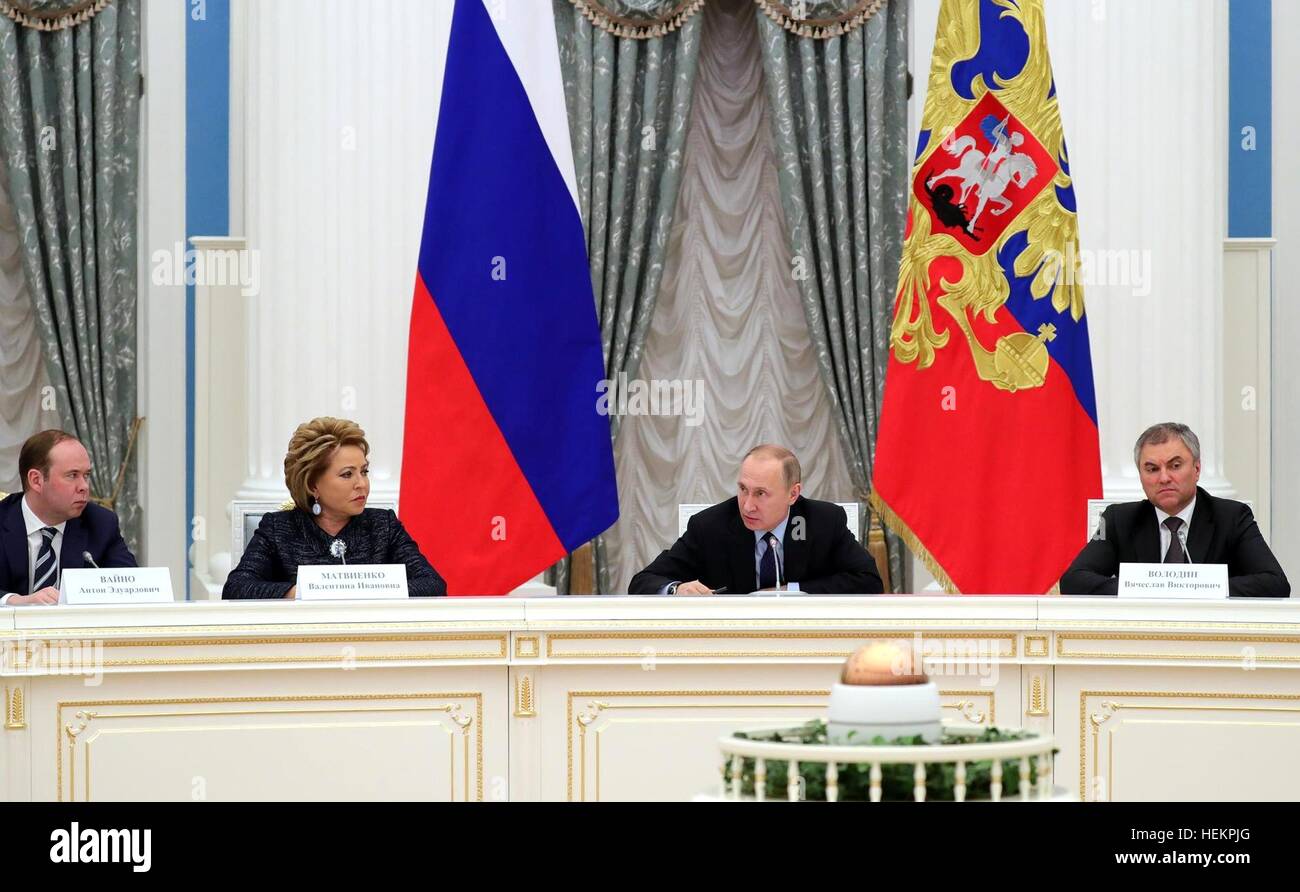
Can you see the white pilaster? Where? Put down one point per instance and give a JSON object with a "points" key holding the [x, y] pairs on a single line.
{"points": [[1285, 424], [338, 103], [161, 316]]}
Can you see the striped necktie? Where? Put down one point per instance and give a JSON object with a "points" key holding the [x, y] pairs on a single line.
{"points": [[47, 562]]}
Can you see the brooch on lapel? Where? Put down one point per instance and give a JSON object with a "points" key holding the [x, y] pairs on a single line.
{"points": [[339, 548]]}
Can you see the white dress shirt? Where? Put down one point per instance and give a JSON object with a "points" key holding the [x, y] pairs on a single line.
{"points": [[34, 526], [1166, 538]]}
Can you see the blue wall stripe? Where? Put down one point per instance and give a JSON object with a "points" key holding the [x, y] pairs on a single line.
{"points": [[1250, 104], [207, 179]]}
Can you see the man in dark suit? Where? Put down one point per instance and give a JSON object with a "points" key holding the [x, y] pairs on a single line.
{"points": [[768, 536], [1177, 523], [51, 524]]}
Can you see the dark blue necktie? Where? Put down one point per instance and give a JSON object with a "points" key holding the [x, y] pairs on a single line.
{"points": [[767, 563], [47, 563]]}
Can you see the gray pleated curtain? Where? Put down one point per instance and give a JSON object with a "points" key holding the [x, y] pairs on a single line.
{"points": [[836, 75], [69, 140], [839, 118], [628, 100]]}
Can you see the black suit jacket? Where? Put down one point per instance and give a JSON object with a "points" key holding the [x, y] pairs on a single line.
{"points": [[1221, 532], [95, 531], [718, 550], [286, 540]]}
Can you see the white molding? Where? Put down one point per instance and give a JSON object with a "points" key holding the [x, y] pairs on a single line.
{"points": [[1249, 244], [598, 615]]}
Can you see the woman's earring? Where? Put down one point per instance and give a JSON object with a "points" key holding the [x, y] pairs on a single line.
{"points": [[315, 508]]}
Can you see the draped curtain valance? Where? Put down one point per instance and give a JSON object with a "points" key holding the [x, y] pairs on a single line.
{"points": [[645, 19], [51, 15]]}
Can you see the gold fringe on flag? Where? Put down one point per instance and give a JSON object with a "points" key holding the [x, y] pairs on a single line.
{"points": [[904, 532], [596, 13], [27, 15], [784, 14]]}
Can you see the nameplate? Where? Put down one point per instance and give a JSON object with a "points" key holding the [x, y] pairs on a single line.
{"points": [[129, 585], [362, 582], [1200, 581]]}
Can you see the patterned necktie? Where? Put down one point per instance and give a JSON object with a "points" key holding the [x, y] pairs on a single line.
{"points": [[767, 563], [47, 562], [1175, 553]]}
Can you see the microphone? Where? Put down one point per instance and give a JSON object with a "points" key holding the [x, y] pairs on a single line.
{"points": [[85, 556], [1182, 538]]}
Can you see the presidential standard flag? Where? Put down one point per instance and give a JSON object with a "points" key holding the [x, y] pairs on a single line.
{"points": [[988, 450], [507, 463]]}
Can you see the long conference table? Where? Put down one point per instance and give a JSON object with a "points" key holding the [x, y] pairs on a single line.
{"points": [[618, 698]]}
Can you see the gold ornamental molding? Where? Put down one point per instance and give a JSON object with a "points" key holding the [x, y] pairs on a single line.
{"points": [[527, 647], [1037, 699], [1036, 646], [15, 710], [69, 733], [1064, 638], [1072, 626], [1111, 705], [969, 709], [20, 653], [240, 634], [868, 626], [524, 705], [650, 640], [578, 720]]}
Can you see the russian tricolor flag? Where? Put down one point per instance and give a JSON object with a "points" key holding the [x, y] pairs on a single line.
{"points": [[507, 464]]}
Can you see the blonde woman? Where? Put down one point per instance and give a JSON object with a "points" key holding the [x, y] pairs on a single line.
{"points": [[327, 471]]}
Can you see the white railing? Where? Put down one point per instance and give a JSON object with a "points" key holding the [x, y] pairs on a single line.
{"points": [[1039, 747]]}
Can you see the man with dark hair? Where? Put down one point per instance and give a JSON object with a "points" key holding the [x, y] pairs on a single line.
{"points": [[52, 524], [768, 537], [1177, 523]]}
